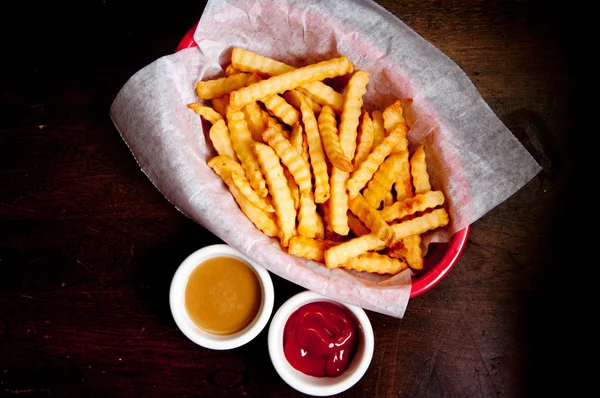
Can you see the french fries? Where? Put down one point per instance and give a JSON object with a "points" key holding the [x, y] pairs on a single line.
{"points": [[312, 168], [372, 219], [331, 141], [312, 249], [221, 139], [298, 167], [289, 81], [315, 150], [363, 174], [364, 139], [383, 179], [241, 139], [279, 189], [281, 109], [206, 112], [349, 120], [211, 89], [375, 262]]}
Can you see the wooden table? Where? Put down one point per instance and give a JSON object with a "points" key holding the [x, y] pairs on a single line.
{"points": [[88, 246]]}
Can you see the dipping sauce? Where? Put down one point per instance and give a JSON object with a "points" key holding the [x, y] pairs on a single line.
{"points": [[223, 295], [320, 339]]}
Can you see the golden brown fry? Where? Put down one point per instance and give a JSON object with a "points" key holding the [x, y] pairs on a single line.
{"points": [[312, 249], [298, 167], [403, 184], [393, 117], [323, 95], [220, 105], [224, 166], [279, 108], [215, 88], [388, 200], [231, 70], [293, 98], [410, 250], [349, 119], [375, 263], [260, 218], [289, 81], [418, 167], [412, 205], [254, 78], [297, 138], [241, 138], [206, 112], [365, 138], [365, 171], [220, 137], [331, 141], [317, 155], [271, 121], [418, 225], [294, 190], [243, 185], [372, 219], [310, 224], [383, 179], [349, 249], [378, 127], [338, 202], [279, 190], [356, 226], [255, 121], [249, 61], [355, 247]]}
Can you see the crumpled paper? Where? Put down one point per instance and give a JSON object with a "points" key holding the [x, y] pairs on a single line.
{"points": [[473, 157]]}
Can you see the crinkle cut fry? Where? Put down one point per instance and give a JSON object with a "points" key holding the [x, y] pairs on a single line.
{"points": [[349, 119], [412, 205], [298, 167], [372, 219], [312, 249], [290, 80], [375, 263], [249, 61], [279, 190], [357, 246], [331, 141], [365, 171], [215, 88], [241, 139], [317, 154]]}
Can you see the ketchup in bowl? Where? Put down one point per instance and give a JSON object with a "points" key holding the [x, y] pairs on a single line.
{"points": [[320, 339]]}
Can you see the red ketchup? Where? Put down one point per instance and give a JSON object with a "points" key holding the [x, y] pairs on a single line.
{"points": [[320, 339]]}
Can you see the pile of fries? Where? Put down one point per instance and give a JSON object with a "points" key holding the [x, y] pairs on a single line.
{"points": [[310, 166]]}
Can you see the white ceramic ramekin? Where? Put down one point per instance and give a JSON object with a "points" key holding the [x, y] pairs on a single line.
{"points": [[185, 323], [319, 386]]}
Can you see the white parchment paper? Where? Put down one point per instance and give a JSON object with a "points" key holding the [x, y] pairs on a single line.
{"points": [[472, 156]]}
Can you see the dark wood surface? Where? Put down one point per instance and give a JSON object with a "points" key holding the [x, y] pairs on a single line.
{"points": [[88, 246]]}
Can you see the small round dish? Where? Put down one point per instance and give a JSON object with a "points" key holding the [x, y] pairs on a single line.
{"points": [[319, 386], [187, 325]]}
